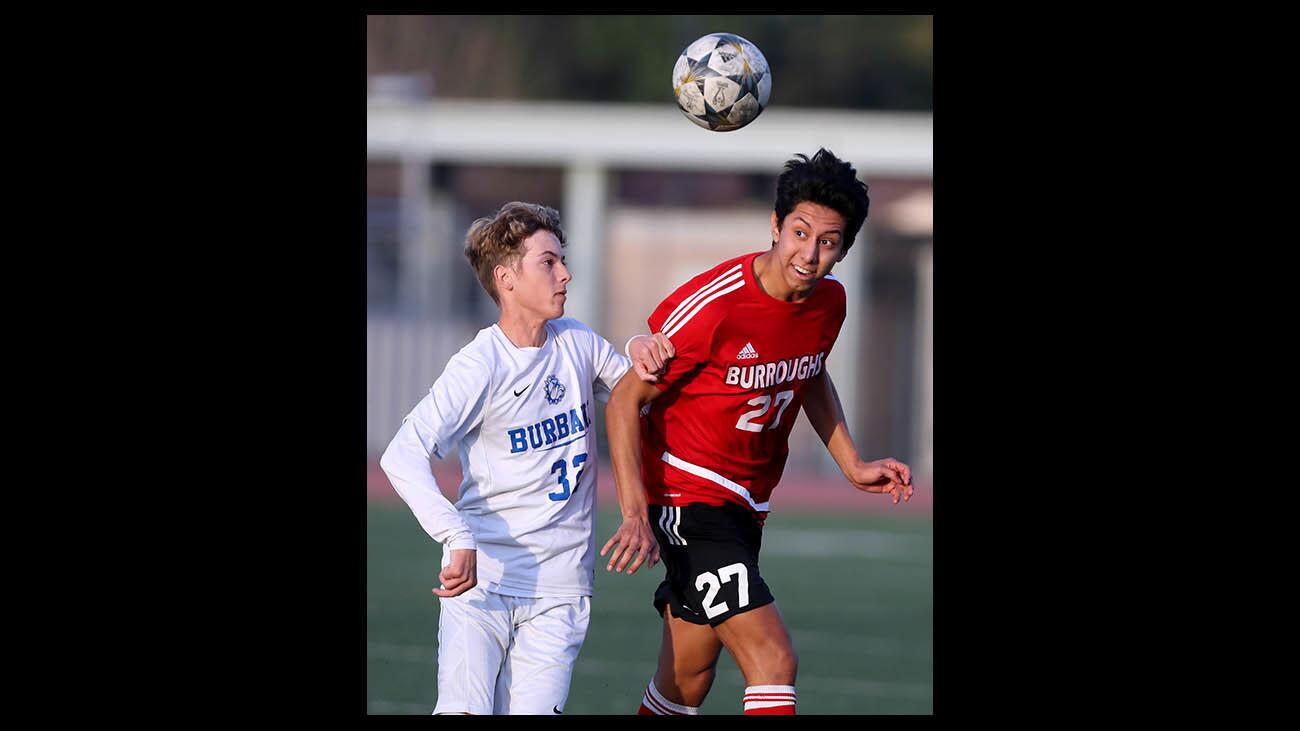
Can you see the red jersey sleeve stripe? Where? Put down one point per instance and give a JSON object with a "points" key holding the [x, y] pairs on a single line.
{"points": [[732, 288], [701, 292]]}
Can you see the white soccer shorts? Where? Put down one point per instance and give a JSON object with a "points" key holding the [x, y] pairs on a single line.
{"points": [[501, 654]]}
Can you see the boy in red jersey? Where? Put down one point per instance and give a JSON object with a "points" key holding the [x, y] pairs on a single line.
{"points": [[751, 337]]}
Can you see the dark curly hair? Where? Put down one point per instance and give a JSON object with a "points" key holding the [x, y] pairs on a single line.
{"points": [[825, 180]]}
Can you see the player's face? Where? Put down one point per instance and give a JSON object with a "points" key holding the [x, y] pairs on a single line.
{"points": [[808, 243], [541, 280]]}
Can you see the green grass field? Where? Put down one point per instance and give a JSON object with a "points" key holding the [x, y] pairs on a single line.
{"points": [[854, 590]]}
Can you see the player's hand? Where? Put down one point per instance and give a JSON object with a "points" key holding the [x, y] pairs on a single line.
{"points": [[883, 475], [650, 355], [460, 575], [634, 537]]}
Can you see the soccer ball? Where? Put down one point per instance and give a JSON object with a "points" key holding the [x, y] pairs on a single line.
{"points": [[722, 82]]}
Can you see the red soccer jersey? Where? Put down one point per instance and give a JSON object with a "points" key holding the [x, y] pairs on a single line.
{"points": [[720, 431]]}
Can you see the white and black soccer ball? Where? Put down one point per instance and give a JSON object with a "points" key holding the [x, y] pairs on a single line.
{"points": [[722, 82]]}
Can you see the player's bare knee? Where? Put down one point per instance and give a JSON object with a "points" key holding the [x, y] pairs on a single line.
{"points": [[780, 666], [687, 688], [790, 663], [697, 686]]}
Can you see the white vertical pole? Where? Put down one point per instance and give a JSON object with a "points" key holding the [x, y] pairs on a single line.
{"points": [[848, 364], [923, 416], [417, 263], [446, 255], [583, 218]]}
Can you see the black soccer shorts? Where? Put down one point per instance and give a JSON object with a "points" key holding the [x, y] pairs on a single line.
{"points": [[711, 557]]}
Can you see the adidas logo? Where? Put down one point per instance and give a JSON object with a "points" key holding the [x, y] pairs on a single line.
{"points": [[747, 352]]}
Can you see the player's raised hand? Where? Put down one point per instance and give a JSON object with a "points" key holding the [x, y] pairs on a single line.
{"points": [[460, 575], [883, 475], [650, 355], [634, 537]]}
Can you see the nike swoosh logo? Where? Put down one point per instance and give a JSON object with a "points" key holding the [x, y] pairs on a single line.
{"points": [[525, 388], [557, 710]]}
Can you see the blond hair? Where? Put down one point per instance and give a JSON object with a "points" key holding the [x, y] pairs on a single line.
{"points": [[499, 239]]}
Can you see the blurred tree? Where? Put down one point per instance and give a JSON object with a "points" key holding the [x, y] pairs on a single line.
{"points": [[827, 61]]}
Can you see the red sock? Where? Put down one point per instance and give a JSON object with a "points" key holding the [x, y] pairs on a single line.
{"points": [[769, 700]]}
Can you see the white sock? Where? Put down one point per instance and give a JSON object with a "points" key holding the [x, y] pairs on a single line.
{"points": [[769, 696], [655, 701]]}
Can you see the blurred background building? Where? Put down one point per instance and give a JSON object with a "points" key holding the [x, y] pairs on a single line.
{"points": [[465, 113]]}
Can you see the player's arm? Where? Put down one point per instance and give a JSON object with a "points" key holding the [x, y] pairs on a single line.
{"points": [[450, 409], [623, 430], [822, 405], [406, 462], [649, 355], [623, 426]]}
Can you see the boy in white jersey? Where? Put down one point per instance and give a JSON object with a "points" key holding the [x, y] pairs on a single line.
{"points": [[518, 555]]}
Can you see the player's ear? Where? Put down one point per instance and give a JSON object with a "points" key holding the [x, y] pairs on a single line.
{"points": [[504, 276], [776, 229]]}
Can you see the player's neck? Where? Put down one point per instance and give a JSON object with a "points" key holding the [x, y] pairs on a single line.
{"points": [[523, 329], [767, 275]]}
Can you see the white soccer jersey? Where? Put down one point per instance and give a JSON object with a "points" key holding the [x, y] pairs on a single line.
{"points": [[521, 420]]}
